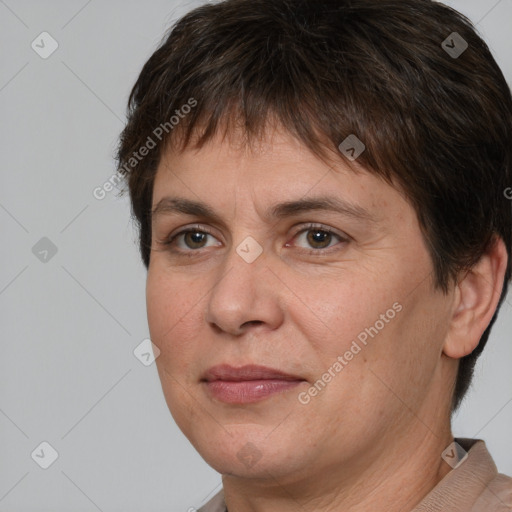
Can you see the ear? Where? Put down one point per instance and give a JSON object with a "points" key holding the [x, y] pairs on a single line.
{"points": [[475, 301]]}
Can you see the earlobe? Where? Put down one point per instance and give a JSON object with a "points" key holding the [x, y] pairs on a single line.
{"points": [[476, 298]]}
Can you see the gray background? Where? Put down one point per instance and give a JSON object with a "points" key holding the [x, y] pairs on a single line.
{"points": [[69, 325]]}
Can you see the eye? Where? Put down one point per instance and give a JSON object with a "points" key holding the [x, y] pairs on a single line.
{"points": [[192, 238], [319, 237]]}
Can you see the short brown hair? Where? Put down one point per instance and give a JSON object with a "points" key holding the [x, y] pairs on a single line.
{"points": [[437, 124]]}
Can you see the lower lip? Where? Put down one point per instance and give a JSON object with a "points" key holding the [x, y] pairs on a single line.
{"points": [[249, 391]]}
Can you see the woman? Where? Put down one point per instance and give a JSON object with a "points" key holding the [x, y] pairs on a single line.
{"points": [[319, 190]]}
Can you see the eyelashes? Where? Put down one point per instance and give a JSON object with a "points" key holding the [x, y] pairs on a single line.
{"points": [[318, 234], [316, 230], [171, 241]]}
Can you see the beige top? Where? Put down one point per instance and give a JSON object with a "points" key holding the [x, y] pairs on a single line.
{"points": [[473, 486]]}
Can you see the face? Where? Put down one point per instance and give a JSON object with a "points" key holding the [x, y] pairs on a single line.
{"points": [[334, 299]]}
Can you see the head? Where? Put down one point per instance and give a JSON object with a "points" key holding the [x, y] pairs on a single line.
{"points": [[247, 104]]}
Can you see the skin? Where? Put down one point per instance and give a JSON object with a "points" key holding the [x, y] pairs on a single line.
{"points": [[372, 438]]}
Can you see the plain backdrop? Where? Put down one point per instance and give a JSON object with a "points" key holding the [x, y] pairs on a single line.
{"points": [[72, 286]]}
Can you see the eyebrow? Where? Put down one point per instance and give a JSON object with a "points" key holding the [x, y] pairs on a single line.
{"points": [[179, 205]]}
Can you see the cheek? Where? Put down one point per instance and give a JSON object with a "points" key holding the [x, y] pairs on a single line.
{"points": [[159, 304], [173, 318], [173, 324], [332, 312], [405, 355]]}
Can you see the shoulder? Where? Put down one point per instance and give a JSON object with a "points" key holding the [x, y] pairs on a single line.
{"points": [[496, 497], [480, 474]]}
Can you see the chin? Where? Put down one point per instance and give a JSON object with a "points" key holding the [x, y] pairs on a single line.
{"points": [[248, 453]]}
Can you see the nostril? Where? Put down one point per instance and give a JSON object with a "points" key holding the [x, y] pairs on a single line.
{"points": [[255, 322]]}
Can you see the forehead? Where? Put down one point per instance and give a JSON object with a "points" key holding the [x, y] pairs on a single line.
{"points": [[271, 143], [277, 173]]}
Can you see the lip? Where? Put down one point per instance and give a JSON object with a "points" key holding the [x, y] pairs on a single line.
{"points": [[248, 372], [247, 384]]}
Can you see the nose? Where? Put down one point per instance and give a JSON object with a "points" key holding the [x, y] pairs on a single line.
{"points": [[246, 296]]}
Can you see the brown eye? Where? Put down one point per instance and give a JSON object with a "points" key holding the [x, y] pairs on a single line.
{"points": [[190, 240], [194, 239], [318, 238]]}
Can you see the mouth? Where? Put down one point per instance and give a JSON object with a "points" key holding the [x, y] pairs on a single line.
{"points": [[247, 384]]}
